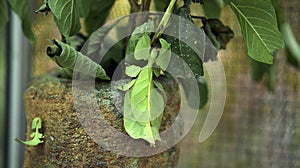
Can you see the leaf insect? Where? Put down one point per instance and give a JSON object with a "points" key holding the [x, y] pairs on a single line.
{"points": [[36, 135]]}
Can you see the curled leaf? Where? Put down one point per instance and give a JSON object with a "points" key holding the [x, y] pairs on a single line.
{"points": [[218, 33], [67, 57], [44, 9]]}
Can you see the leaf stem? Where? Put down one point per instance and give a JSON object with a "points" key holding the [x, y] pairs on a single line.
{"points": [[164, 21]]}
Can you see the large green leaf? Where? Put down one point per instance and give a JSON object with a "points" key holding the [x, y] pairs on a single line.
{"points": [[69, 59], [66, 16], [184, 30], [259, 26], [21, 7], [3, 14]]}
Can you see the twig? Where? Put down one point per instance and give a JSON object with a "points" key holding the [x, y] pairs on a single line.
{"points": [[134, 6], [146, 5], [164, 21]]}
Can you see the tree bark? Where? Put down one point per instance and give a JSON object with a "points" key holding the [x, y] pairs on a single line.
{"points": [[68, 144]]}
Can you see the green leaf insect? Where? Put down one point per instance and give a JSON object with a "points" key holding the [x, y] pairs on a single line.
{"points": [[67, 57], [143, 108], [143, 102], [36, 135]]}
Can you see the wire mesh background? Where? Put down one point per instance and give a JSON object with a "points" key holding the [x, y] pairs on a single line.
{"points": [[258, 128]]}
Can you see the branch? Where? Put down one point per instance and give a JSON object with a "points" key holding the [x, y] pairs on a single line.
{"points": [[164, 21], [146, 5], [134, 6]]}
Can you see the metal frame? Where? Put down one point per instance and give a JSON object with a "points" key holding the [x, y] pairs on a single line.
{"points": [[17, 76]]}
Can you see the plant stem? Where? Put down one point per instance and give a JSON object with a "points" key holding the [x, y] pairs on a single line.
{"points": [[146, 5], [134, 6], [164, 21]]}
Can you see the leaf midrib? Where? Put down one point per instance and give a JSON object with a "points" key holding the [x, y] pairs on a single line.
{"points": [[249, 23]]}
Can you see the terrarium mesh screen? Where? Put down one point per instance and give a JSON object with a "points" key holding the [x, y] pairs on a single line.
{"points": [[258, 128]]}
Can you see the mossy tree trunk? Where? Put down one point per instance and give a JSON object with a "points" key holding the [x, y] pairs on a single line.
{"points": [[66, 142]]}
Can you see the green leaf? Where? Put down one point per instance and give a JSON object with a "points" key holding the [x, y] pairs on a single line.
{"points": [[67, 57], [213, 8], [66, 16], [259, 70], [97, 15], [21, 7], [132, 70], [164, 57], [84, 7], [3, 15], [142, 48], [291, 45], [96, 46], [184, 30], [36, 135], [259, 26]]}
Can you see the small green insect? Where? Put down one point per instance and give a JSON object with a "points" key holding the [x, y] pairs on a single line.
{"points": [[36, 135]]}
